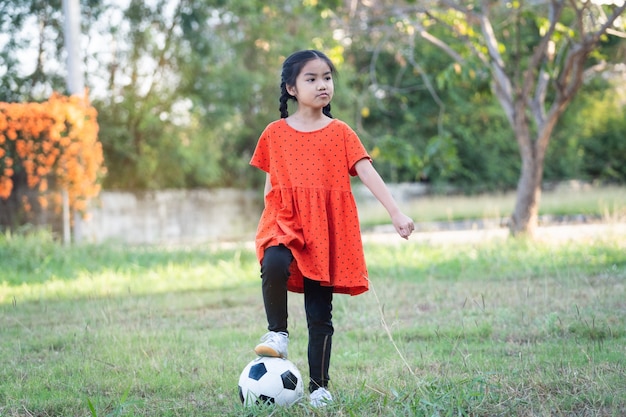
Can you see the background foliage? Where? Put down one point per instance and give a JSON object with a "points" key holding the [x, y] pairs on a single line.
{"points": [[183, 89], [48, 147]]}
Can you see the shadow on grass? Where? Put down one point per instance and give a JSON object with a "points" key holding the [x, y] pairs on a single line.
{"points": [[37, 258]]}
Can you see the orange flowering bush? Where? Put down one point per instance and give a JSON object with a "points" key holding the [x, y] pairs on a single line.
{"points": [[51, 143]]}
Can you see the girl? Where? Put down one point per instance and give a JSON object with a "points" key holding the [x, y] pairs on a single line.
{"points": [[308, 238]]}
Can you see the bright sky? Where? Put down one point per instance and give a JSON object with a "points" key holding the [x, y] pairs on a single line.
{"points": [[98, 44]]}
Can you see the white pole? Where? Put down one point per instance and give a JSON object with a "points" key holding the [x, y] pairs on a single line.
{"points": [[75, 78], [75, 86], [66, 217]]}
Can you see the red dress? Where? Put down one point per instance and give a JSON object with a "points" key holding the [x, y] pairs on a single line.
{"points": [[310, 208]]}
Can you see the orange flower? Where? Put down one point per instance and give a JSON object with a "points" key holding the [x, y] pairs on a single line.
{"points": [[26, 204], [6, 185], [29, 166], [42, 171], [20, 148], [32, 181], [56, 139], [43, 201]]}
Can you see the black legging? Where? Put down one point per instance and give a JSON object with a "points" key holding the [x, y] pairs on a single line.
{"points": [[318, 304]]}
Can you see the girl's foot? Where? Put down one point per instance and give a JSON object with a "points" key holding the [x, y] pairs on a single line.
{"points": [[321, 397], [273, 344]]}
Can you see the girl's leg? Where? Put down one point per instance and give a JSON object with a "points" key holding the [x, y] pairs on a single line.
{"points": [[274, 275], [318, 305]]}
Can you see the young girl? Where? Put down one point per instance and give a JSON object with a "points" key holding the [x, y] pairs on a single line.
{"points": [[308, 238]]}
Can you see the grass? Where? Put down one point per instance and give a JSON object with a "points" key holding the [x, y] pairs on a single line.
{"points": [[607, 203], [498, 328]]}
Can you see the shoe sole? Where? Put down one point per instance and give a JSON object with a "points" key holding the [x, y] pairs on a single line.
{"points": [[268, 352]]}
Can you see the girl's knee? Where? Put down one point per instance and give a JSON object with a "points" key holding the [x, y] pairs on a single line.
{"points": [[276, 263]]}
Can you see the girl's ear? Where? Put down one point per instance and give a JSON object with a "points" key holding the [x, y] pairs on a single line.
{"points": [[292, 90]]}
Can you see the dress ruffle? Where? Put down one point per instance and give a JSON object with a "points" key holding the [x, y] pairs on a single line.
{"points": [[325, 244]]}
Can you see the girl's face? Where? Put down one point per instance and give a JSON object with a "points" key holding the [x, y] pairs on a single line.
{"points": [[314, 85]]}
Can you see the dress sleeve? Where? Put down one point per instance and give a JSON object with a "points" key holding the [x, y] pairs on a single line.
{"points": [[355, 151], [261, 157]]}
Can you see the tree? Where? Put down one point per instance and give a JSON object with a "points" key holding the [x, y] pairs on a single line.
{"points": [[183, 88], [536, 54], [37, 77], [193, 85]]}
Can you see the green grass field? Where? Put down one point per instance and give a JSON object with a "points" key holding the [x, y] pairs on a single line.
{"points": [[607, 203], [500, 328]]}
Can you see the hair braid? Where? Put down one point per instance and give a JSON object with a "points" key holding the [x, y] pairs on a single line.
{"points": [[284, 98], [326, 111]]}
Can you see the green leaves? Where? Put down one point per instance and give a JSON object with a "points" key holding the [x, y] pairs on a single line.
{"points": [[183, 89]]}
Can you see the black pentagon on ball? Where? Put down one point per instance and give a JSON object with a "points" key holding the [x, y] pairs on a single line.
{"points": [[264, 399], [257, 371], [290, 381]]}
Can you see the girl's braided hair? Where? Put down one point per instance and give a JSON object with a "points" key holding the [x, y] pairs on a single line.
{"points": [[291, 69]]}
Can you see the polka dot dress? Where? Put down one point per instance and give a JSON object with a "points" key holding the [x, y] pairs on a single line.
{"points": [[310, 208]]}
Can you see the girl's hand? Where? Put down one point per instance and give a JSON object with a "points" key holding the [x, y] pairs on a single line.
{"points": [[404, 225]]}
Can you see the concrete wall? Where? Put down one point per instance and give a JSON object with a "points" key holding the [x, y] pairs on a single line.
{"points": [[180, 216], [174, 216]]}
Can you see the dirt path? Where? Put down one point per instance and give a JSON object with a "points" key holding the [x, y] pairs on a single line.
{"points": [[557, 233]]}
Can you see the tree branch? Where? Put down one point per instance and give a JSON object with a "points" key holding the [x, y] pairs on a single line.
{"points": [[470, 17], [438, 43], [429, 86], [606, 27], [490, 38], [503, 88], [571, 78], [617, 33], [539, 54], [534, 67], [536, 104]]}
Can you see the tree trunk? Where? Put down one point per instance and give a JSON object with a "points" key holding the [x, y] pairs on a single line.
{"points": [[525, 217]]}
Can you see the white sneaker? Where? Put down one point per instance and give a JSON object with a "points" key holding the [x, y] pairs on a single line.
{"points": [[273, 344], [321, 397]]}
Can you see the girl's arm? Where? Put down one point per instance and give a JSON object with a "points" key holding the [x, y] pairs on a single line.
{"points": [[369, 176]]}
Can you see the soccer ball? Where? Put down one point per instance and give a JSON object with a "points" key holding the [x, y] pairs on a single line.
{"points": [[270, 381]]}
